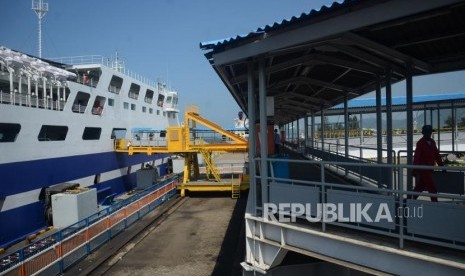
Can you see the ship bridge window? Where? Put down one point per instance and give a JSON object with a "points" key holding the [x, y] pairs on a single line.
{"points": [[91, 133], [98, 106], [168, 99], [9, 132], [80, 102], [160, 100], [148, 96], [118, 133], [115, 85], [52, 133], [134, 91]]}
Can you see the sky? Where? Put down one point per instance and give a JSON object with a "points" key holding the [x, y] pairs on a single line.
{"points": [[159, 39]]}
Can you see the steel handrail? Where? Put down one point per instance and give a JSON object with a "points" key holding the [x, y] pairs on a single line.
{"points": [[399, 194], [28, 261]]}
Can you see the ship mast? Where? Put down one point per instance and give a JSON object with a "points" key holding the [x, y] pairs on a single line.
{"points": [[41, 9]]}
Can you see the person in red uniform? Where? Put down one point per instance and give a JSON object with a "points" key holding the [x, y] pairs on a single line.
{"points": [[426, 154]]}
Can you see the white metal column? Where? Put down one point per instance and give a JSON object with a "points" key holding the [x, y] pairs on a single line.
{"points": [[379, 123], [263, 129], [252, 202], [409, 94]]}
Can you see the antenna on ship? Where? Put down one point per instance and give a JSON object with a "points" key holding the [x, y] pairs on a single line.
{"points": [[118, 64], [41, 9]]}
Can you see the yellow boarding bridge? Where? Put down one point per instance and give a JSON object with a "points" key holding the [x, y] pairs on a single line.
{"points": [[187, 141]]}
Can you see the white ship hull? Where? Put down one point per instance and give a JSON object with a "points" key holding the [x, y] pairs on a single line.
{"points": [[65, 133]]}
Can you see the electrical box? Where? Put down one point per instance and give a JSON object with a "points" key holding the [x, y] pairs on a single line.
{"points": [[175, 137], [73, 206], [145, 177]]}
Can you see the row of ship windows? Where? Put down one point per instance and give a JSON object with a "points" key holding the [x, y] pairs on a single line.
{"points": [[144, 108], [9, 132], [82, 100]]}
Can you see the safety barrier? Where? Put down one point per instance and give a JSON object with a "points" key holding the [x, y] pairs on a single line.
{"points": [[408, 219], [53, 254]]}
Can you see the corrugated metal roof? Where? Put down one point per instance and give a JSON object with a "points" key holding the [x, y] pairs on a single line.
{"points": [[401, 100], [276, 25], [314, 60]]}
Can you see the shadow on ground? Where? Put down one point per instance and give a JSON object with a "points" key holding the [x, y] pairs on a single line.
{"points": [[232, 250]]}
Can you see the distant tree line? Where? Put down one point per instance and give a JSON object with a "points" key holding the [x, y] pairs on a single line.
{"points": [[449, 122]]}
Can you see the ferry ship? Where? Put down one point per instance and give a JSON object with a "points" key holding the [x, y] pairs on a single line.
{"points": [[58, 123]]}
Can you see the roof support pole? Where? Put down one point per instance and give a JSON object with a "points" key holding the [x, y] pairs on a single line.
{"points": [[409, 96], [389, 122], [379, 126], [305, 134], [263, 130], [292, 132], [252, 201], [287, 133], [439, 127], [312, 129], [454, 124], [361, 133], [322, 128], [431, 116], [424, 115], [298, 134], [346, 127]]}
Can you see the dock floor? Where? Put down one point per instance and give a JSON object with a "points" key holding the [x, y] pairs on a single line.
{"points": [[203, 236]]}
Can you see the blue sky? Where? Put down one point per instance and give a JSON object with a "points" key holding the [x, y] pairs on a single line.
{"points": [[159, 39]]}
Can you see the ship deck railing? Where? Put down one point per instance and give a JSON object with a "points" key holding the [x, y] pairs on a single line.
{"points": [[104, 61], [22, 99]]}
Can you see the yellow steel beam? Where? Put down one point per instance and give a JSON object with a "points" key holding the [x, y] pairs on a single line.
{"points": [[220, 147], [197, 118]]}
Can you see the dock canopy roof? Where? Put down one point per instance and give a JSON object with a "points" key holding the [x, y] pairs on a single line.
{"points": [[316, 59]]}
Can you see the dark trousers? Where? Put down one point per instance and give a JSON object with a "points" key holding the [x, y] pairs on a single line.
{"points": [[424, 181], [276, 148]]}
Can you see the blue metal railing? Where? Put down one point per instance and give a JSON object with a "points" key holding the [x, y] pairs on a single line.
{"points": [[53, 254]]}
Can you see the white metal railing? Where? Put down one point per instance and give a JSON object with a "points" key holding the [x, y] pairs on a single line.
{"points": [[322, 188], [114, 89], [79, 108], [22, 99], [101, 60], [82, 60]]}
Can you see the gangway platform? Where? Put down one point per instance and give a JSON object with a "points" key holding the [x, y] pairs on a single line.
{"points": [[190, 143]]}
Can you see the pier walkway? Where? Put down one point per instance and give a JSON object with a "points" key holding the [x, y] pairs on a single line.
{"points": [[199, 235]]}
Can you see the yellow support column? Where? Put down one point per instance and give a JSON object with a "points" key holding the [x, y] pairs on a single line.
{"points": [[208, 172], [195, 163], [187, 168]]}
